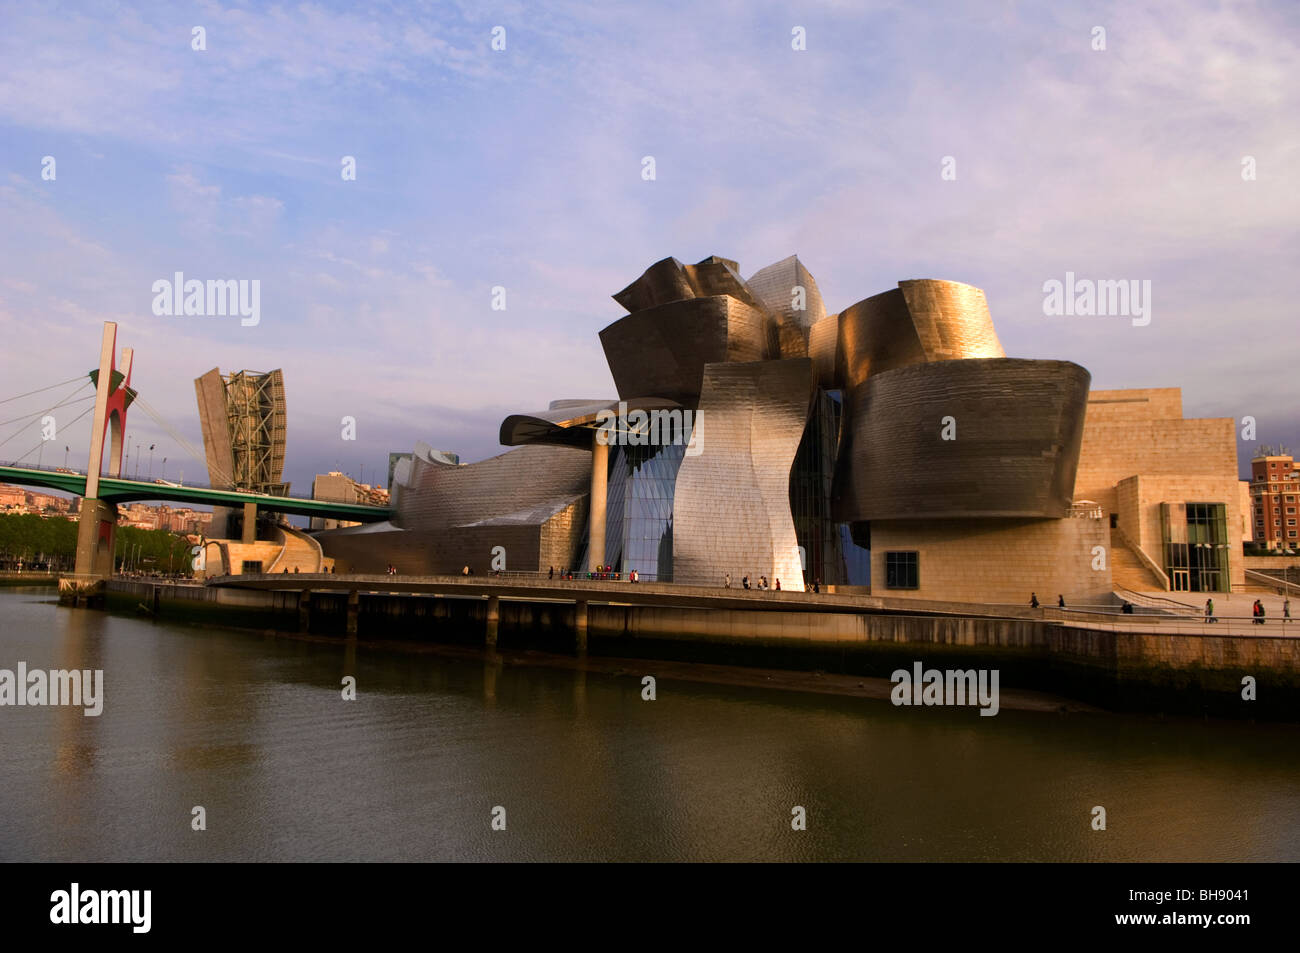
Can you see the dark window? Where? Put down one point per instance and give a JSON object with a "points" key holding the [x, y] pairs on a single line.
{"points": [[251, 566], [902, 570]]}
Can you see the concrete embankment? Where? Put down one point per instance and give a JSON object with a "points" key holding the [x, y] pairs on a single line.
{"points": [[1134, 671]]}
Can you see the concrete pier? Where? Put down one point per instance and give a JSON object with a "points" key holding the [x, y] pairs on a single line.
{"points": [[580, 626], [493, 620], [354, 608]]}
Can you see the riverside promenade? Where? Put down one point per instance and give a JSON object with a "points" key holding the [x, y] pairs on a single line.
{"points": [[1163, 657]]}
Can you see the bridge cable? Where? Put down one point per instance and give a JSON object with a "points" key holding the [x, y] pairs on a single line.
{"points": [[181, 441], [68, 424], [40, 389], [40, 413]]}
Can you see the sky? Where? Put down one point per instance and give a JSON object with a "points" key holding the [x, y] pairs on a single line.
{"points": [[1167, 156]]}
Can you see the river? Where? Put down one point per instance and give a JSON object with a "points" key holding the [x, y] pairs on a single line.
{"points": [[253, 729]]}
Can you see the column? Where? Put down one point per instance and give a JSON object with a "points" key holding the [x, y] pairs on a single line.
{"points": [[250, 523], [599, 490], [493, 620]]}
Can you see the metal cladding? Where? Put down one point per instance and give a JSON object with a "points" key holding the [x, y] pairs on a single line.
{"points": [[996, 437], [669, 280], [570, 423], [922, 320], [823, 346], [731, 511], [808, 430], [662, 350], [523, 486], [790, 293]]}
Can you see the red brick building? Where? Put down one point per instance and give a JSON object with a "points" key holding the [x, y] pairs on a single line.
{"points": [[1274, 489]]}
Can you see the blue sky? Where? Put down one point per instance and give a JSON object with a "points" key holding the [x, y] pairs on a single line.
{"points": [[522, 168]]}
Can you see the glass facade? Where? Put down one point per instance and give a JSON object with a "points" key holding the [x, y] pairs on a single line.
{"points": [[1196, 546], [830, 553], [639, 510]]}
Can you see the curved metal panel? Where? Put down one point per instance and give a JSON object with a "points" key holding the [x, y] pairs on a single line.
{"points": [[951, 319], [669, 280], [524, 487], [775, 286], [663, 350], [921, 320], [731, 508], [823, 346], [1015, 431], [570, 422]]}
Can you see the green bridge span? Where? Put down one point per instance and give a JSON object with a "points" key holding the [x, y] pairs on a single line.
{"points": [[117, 490]]}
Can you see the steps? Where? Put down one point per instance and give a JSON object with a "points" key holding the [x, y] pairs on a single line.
{"points": [[300, 553], [1127, 572]]}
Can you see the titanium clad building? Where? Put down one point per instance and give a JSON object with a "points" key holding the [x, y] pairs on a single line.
{"points": [[891, 447]]}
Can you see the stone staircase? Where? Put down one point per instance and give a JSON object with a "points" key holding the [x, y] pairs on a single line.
{"points": [[300, 553], [1128, 572]]}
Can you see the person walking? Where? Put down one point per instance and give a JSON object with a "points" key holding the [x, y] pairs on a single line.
{"points": [[778, 585], [1060, 601], [1209, 610], [745, 582], [1286, 611], [726, 581], [551, 574], [1033, 600]]}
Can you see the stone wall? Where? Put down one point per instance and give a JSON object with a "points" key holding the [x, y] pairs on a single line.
{"points": [[997, 561]]}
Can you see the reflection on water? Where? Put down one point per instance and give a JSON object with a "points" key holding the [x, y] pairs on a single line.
{"points": [[255, 729]]}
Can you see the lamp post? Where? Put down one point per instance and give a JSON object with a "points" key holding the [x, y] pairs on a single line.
{"points": [[151, 446]]}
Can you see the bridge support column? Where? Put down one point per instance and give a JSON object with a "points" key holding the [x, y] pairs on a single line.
{"points": [[580, 627], [250, 523], [493, 620], [304, 611], [354, 609], [96, 533]]}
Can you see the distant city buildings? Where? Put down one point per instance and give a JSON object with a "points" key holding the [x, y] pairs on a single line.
{"points": [[338, 487], [1274, 486], [15, 500]]}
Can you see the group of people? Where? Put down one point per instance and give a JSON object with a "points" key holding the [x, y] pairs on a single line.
{"points": [[1034, 603], [600, 572], [763, 583], [1258, 611]]}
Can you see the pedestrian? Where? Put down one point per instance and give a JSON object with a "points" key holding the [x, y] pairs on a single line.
{"points": [[1286, 610], [1033, 600], [1209, 610], [726, 581], [1128, 608], [745, 582], [1261, 613], [778, 585], [817, 584], [1060, 601], [465, 571], [551, 573]]}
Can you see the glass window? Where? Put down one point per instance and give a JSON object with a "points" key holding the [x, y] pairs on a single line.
{"points": [[902, 570]]}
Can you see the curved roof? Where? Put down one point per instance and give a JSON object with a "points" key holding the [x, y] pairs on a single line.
{"points": [[569, 423]]}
